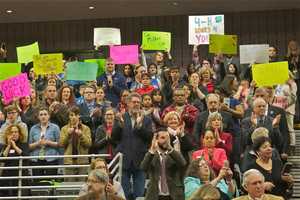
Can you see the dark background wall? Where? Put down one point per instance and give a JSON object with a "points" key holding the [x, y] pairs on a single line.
{"points": [[273, 27]]}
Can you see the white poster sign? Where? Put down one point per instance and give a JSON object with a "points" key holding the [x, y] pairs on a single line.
{"points": [[107, 36], [254, 53], [201, 26]]}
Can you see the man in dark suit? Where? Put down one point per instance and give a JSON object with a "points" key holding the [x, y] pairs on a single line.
{"points": [[275, 113], [213, 105], [259, 119], [90, 111], [165, 165], [133, 133]]}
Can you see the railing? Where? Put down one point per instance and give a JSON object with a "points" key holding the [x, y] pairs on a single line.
{"points": [[115, 168]]}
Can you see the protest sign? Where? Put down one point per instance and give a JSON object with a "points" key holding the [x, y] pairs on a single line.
{"points": [[127, 54], [100, 63], [254, 53], [107, 36], [48, 63], [8, 70], [201, 26], [16, 86], [226, 44], [81, 71], [156, 40], [270, 74], [25, 53]]}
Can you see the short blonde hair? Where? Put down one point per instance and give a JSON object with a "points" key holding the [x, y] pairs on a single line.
{"points": [[259, 132], [169, 115], [202, 70], [206, 192]]}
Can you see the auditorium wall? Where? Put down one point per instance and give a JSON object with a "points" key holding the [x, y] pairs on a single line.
{"points": [[273, 27]]}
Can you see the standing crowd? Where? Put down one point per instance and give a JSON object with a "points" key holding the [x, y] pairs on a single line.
{"points": [[201, 131]]}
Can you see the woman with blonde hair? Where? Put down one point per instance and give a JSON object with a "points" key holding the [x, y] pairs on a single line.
{"points": [[13, 137], [206, 192], [206, 79], [175, 128]]}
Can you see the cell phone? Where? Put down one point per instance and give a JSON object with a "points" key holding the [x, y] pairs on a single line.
{"points": [[286, 168]]}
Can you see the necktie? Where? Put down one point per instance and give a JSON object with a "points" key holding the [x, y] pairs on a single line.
{"points": [[163, 178]]}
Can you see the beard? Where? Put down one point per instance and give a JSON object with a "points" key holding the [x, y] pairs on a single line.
{"points": [[164, 146]]}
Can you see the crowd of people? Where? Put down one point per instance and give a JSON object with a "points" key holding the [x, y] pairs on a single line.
{"points": [[201, 131]]}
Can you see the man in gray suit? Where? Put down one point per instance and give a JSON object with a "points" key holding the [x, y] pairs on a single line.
{"points": [[164, 165]]}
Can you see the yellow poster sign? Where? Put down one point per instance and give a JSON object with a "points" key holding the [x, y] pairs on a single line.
{"points": [[226, 44], [270, 74], [48, 63]]}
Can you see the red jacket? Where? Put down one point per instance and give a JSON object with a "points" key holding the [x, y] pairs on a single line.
{"points": [[144, 90], [225, 143], [188, 115]]}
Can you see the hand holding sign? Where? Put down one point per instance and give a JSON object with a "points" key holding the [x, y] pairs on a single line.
{"points": [[17, 86]]}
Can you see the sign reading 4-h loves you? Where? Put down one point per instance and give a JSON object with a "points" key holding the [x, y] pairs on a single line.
{"points": [[201, 26]]}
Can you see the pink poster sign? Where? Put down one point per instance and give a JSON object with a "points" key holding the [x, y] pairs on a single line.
{"points": [[16, 86], [125, 54]]}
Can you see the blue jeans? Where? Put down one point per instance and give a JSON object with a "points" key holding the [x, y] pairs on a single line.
{"points": [[138, 180]]}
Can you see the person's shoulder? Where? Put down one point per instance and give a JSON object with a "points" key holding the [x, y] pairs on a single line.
{"points": [[272, 197], [245, 197], [53, 125]]}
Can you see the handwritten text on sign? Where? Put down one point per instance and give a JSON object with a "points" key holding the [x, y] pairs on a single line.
{"points": [[156, 40], [17, 86], [201, 26]]}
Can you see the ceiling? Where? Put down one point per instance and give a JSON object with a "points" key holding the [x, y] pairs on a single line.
{"points": [[55, 10]]}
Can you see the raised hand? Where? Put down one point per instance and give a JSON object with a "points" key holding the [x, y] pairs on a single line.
{"points": [[253, 119], [154, 145], [276, 121]]}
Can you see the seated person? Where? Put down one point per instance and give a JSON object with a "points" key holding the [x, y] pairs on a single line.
{"points": [[250, 155], [199, 173], [254, 184], [277, 182], [224, 140], [113, 187], [97, 187], [206, 192], [214, 156]]}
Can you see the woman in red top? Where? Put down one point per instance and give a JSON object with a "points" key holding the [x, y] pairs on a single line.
{"points": [[223, 139], [214, 156], [206, 79]]}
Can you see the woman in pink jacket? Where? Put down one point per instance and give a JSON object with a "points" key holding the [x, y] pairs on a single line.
{"points": [[215, 157]]}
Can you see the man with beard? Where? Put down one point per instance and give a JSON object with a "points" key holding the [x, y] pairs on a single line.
{"points": [[133, 133], [164, 166], [187, 112]]}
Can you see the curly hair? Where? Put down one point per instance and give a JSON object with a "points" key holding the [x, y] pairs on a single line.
{"points": [[7, 132]]}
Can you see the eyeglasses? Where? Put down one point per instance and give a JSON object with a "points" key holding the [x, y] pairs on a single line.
{"points": [[41, 114], [89, 92]]}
